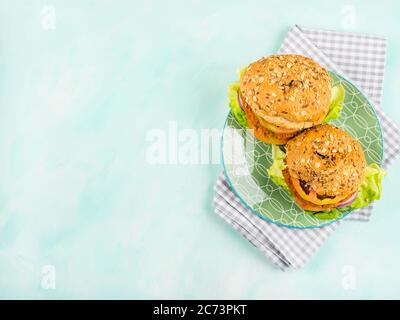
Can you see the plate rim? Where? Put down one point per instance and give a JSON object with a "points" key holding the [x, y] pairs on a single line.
{"points": [[329, 222]]}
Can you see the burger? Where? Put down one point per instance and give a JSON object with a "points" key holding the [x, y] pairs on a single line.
{"points": [[281, 95], [324, 169]]}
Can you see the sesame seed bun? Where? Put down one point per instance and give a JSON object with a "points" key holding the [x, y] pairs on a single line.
{"points": [[288, 91], [325, 165]]}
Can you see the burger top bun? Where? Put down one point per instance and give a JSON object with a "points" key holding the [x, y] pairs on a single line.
{"points": [[290, 91]]}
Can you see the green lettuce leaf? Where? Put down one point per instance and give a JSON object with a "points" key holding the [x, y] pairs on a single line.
{"points": [[278, 164], [336, 104], [326, 215], [241, 72], [371, 188], [237, 111]]}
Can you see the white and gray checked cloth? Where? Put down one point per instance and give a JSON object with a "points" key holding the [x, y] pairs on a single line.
{"points": [[360, 58]]}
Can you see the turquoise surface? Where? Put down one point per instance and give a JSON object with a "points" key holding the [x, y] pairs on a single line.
{"points": [[83, 211]]}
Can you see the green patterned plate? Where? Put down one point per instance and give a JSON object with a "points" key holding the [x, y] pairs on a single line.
{"points": [[246, 159]]}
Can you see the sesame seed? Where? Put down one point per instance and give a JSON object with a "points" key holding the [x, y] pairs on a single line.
{"points": [[317, 164]]}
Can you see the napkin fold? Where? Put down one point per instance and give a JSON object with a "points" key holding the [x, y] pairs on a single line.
{"points": [[360, 58]]}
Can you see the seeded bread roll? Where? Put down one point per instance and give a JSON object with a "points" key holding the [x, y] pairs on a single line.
{"points": [[288, 91], [327, 160]]}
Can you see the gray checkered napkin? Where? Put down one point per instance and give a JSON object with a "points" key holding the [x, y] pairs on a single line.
{"points": [[360, 58]]}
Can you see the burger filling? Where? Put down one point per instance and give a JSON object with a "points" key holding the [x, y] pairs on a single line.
{"points": [[303, 199], [307, 193]]}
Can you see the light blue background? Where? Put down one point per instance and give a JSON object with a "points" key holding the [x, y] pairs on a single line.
{"points": [[76, 191]]}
